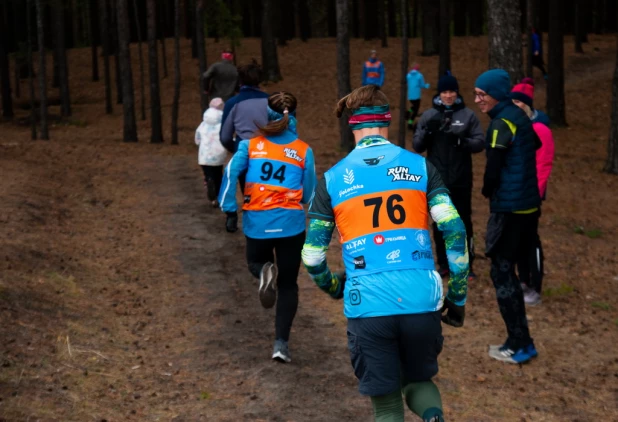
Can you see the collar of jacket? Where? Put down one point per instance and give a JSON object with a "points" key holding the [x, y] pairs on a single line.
{"points": [[372, 140], [457, 105], [499, 107]]}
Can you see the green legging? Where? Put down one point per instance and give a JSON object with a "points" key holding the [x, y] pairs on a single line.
{"points": [[422, 398]]}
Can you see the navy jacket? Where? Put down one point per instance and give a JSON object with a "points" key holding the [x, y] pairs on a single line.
{"points": [[240, 119]]}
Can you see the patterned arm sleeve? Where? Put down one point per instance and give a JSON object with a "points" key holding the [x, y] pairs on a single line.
{"points": [[454, 232], [314, 257]]}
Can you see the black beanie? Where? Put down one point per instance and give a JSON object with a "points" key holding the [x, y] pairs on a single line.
{"points": [[448, 83]]}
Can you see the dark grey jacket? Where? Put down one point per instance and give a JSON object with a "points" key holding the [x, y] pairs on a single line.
{"points": [[221, 80], [450, 136]]}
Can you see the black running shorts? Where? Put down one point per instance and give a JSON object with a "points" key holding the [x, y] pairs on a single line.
{"points": [[389, 352]]}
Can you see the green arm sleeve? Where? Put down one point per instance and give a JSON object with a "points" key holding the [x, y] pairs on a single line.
{"points": [[314, 251], [445, 215]]}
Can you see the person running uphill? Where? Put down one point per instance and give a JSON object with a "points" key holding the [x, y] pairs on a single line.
{"points": [[373, 71], [280, 178], [510, 184], [450, 133], [416, 82], [378, 197]]}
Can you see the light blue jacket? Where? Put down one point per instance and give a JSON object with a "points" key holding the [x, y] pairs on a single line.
{"points": [[415, 83]]}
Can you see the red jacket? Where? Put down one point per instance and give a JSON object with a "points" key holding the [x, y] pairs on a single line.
{"points": [[544, 156]]}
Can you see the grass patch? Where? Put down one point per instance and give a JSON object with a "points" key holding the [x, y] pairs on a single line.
{"points": [[602, 305], [592, 234], [204, 395], [63, 283], [562, 290]]}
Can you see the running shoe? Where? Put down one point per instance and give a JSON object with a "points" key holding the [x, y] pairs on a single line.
{"points": [[281, 352], [530, 349], [268, 281], [532, 297], [506, 354], [436, 418]]}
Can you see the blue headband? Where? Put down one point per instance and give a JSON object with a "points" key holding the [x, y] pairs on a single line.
{"points": [[275, 115]]}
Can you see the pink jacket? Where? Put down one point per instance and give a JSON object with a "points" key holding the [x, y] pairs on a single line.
{"points": [[544, 156]]}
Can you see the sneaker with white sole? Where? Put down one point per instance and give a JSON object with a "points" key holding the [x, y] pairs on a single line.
{"points": [[532, 297], [506, 354], [268, 280], [281, 352], [530, 349]]}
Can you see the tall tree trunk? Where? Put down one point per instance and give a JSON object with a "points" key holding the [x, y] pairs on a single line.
{"points": [[382, 23], [611, 164], [162, 40], [141, 61], [445, 37], [194, 34], [61, 55], [156, 133], [431, 26], [176, 101], [362, 21], [116, 48], [555, 65], [104, 25], [531, 11], [30, 71], [270, 61], [460, 16], [304, 21], [505, 37], [55, 72], [403, 97], [94, 38], [392, 18], [5, 82], [476, 19], [343, 70], [201, 51], [579, 8], [415, 7], [124, 54], [42, 70]]}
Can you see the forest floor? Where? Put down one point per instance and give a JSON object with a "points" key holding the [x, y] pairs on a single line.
{"points": [[122, 298]]}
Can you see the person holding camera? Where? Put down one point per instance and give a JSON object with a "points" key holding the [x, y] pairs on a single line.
{"points": [[450, 132]]}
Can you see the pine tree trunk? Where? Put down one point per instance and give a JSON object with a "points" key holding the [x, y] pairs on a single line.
{"points": [[304, 21], [5, 82], [61, 57], [194, 33], [116, 48], [201, 51], [162, 41], [343, 70], [403, 97], [141, 61], [124, 55], [33, 133], [382, 23], [476, 19], [579, 25], [270, 61], [392, 20], [94, 38], [555, 65], [459, 18], [42, 71], [445, 37], [531, 11], [611, 165], [55, 72], [505, 37], [176, 101], [430, 26], [415, 8], [104, 22], [156, 133]]}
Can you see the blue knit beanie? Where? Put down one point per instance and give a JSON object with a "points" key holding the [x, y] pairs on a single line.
{"points": [[496, 83]]}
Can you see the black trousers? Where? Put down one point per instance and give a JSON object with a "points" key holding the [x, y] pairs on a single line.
{"points": [[530, 266], [214, 173], [511, 238], [287, 251], [415, 106], [462, 200], [537, 61]]}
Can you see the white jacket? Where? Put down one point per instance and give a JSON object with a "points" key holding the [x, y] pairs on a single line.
{"points": [[211, 152]]}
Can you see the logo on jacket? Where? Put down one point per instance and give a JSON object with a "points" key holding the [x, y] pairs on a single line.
{"points": [[378, 239], [401, 173], [457, 123], [373, 161], [416, 255], [359, 263], [292, 153], [260, 145], [354, 244], [393, 256], [348, 177], [422, 238]]}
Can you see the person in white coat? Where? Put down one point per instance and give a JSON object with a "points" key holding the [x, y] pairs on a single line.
{"points": [[211, 155]]}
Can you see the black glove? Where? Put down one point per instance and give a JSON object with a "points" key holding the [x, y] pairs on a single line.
{"points": [[231, 223], [340, 275], [454, 314], [432, 126]]}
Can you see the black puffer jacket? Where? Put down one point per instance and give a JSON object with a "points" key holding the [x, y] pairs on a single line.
{"points": [[450, 136]]}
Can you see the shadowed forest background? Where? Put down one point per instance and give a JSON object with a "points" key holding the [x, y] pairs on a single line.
{"points": [[123, 298]]}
